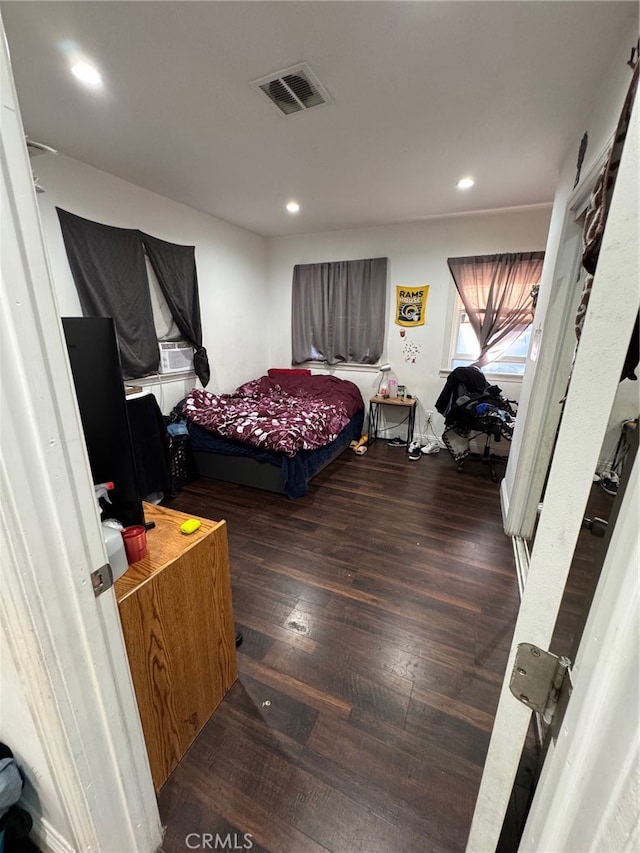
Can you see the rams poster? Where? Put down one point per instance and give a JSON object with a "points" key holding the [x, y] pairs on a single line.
{"points": [[411, 305]]}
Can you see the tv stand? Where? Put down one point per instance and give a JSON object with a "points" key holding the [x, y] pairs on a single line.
{"points": [[177, 620]]}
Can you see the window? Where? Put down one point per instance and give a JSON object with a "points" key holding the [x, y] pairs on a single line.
{"points": [[108, 267], [163, 320], [494, 310], [465, 349], [338, 311]]}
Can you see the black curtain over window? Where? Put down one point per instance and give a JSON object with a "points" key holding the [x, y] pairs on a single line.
{"points": [[108, 268], [175, 268]]}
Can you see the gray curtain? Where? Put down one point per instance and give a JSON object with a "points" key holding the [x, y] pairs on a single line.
{"points": [[107, 265], [496, 293], [338, 311], [175, 268]]}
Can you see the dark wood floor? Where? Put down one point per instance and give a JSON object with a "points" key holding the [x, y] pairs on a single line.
{"points": [[377, 613], [584, 573]]}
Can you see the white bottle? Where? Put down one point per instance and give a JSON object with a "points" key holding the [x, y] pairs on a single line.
{"points": [[114, 543], [112, 535], [393, 387]]}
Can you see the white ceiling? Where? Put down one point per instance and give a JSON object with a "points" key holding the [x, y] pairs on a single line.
{"points": [[424, 93]]}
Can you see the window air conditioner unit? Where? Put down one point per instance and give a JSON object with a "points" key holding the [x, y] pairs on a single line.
{"points": [[175, 357]]}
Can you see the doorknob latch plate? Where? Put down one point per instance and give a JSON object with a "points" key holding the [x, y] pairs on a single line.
{"points": [[101, 579], [541, 681]]}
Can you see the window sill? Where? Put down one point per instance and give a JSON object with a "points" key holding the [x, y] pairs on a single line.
{"points": [[444, 372], [351, 367], [162, 378]]}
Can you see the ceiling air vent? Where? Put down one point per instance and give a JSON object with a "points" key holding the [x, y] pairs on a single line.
{"points": [[294, 89]]}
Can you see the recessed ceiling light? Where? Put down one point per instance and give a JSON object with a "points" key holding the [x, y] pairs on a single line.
{"points": [[465, 183], [87, 74], [293, 206]]}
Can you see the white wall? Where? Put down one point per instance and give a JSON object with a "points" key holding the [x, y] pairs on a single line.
{"points": [[230, 262], [417, 253]]}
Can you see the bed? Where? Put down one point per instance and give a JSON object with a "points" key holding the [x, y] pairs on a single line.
{"points": [[275, 432]]}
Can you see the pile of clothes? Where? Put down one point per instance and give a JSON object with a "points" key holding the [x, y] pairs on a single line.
{"points": [[15, 822], [470, 405]]}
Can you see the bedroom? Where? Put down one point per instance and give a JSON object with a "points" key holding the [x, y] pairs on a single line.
{"points": [[246, 269]]}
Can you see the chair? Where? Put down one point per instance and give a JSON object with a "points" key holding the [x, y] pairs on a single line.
{"points": [[472, 407]]}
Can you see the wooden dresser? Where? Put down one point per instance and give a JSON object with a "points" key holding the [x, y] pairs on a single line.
{"points": [[177, 619]]}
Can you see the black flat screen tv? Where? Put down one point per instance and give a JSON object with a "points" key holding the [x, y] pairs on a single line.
{"points": [[95, 364]]}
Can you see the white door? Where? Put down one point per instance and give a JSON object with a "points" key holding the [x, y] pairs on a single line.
{"points": [[68, 662], [608, 327], [588, 797]]}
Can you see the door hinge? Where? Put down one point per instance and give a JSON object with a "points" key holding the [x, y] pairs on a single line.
{"points": [[102, 579], [541, 681]]}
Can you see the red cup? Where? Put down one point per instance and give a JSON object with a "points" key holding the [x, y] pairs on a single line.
{"points": [[135, 542]]}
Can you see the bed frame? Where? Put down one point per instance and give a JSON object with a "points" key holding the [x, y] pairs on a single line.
{"points": [[241, 470], [246, 471]]}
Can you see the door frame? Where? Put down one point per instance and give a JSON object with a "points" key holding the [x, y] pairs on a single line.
{"points": [[66, 644], [541, 408], [598, 364]]}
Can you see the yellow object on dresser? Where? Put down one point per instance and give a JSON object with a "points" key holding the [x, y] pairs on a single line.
{"points": [[189, 526], [177, 620]]}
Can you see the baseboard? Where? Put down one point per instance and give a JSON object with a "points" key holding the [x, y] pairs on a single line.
{"points": [[521, 557], [49, 839], [46, 836], [498, 448], [504, 502]]}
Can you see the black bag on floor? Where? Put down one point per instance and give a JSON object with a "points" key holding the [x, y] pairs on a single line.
{"points": [[15, 822]]}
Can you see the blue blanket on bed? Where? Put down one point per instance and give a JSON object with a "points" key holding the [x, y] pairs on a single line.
{"points": [[296, 470]]}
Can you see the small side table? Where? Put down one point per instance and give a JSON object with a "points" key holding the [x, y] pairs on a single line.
{"points": [[399, 402]]}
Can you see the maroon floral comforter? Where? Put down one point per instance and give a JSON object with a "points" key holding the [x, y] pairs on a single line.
{"points": [[286, 414]]}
